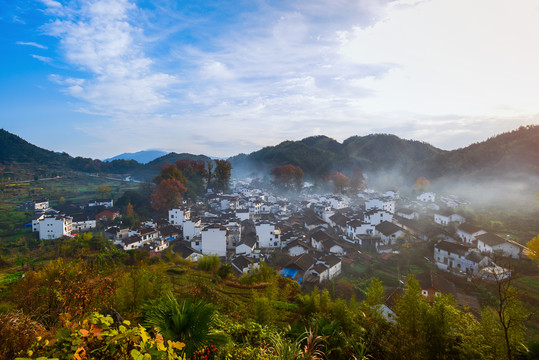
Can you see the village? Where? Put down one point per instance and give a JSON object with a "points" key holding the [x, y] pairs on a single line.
{"points": [[307, 238]]}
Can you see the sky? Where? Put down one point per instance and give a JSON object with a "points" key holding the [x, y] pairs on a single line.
{"points": [[98, 78]]}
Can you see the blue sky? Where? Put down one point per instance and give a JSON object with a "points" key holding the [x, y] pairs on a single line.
{"points": [[98, 78]]}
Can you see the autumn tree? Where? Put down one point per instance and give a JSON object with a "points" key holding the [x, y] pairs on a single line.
{"points": [[168, 172], [533, 248], [223, 171], [421, 184], [287, 177], [340, 182], [357, 182], [168, 195], [103, 191]]}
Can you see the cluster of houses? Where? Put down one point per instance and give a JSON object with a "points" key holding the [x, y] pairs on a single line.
{"points": [[69, 219], [312, 235]]}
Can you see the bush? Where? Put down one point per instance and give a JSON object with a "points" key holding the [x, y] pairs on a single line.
{"points": [[209, 263], [17, 333]]}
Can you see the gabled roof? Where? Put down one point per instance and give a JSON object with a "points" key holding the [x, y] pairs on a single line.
{"points": [[356, 223], [132, 239], [320, 236], [302, 262], [297, 243], [320, 268], [241, 262], [452, 247], [339, 219], [387, 228], [331, 260], [248, 239], [491, 239], [432, 280], [184, 250], [468, 228]]}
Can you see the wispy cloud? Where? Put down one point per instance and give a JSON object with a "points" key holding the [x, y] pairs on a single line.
{"points": [[44, 59], [39, 46]]}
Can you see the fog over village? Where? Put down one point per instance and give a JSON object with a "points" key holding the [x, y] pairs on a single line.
{"points": [[269, 180]]}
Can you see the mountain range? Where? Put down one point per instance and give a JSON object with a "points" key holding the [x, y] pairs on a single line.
{"points": [[505, 155]]}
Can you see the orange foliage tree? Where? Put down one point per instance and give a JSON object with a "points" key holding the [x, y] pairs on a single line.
{"points": [[287, 177], [422, 184], [168, 194], [340, 182]]}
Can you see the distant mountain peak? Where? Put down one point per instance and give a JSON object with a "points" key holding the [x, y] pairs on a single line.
{"points": [[143, 157]]}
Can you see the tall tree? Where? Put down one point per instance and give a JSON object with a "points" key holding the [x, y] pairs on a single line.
{"points": [[168, 195], [170, 172], [196, 174], [223, 170], [504, 322], [357, 182], [340, 182], [287, 177]]}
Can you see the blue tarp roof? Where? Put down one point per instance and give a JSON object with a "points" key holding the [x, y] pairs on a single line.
{"points": [[291, 273]]}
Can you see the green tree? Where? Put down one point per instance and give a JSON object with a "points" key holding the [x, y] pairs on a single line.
{"points": [[410, 310], [504, 323], [223, 170]]}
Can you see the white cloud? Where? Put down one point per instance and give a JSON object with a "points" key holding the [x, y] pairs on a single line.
{"points": [[98, 38], [44, 59], [31, 44]]}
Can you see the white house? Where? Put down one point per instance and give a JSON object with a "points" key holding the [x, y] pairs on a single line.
{"points": [[268, 235], [191, 228], [296, 248], [247, 244], [409, 214], [41, 205], [357, 227], [381, 204], [130, 243], [490, 243], [214, 240], [427, 197], [389, 232], [446, 217], [54, 227], [179, 216], [36, 218], [334, 266], [375, 217], [468, 233], [450, 256], [102, 202], [83, 223]]}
